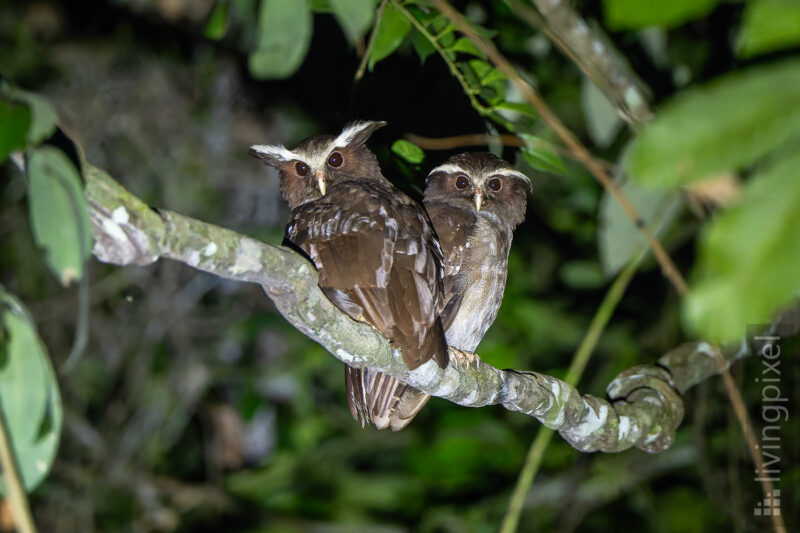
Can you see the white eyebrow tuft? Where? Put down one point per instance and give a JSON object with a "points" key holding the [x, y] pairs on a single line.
{"points": [[349, 133], [447, 167], [275, 150], [510, 173]]}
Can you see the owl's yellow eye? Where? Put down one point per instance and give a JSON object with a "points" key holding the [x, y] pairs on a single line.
{"points": [[301, 168], [462, 182], [495, 184], [335, 159]]}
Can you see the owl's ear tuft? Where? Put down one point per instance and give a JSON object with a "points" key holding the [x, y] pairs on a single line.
{"points": [[357, 133], [272, 154], [520, 176]]}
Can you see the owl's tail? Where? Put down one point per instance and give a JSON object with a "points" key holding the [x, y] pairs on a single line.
{"points": [[380, 399]]}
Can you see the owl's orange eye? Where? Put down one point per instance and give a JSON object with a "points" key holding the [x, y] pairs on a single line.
{"points": [[462, 182], [495, 184], [301, 168], [335, 159]]}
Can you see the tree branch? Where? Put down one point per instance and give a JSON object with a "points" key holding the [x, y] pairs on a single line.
{"points": [[591, 50], [644, 407]]}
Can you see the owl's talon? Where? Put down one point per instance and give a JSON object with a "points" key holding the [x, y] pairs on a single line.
{"points": [[465, 359]]}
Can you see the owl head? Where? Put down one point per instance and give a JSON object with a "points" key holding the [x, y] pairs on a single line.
{"points": [[483, 182], [320, 160]]}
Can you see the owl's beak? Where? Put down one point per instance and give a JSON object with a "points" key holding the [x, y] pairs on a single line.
{"points": [[320, 174], [478, 199]]}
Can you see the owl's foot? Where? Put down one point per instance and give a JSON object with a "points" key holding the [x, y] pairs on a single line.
{"points": [[464, 359]]}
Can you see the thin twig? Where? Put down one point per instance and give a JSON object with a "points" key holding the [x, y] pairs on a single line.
{"points": [[735, 397], [568, 138], [365, 58], [17, 499], [459, 141], [536, 452]]}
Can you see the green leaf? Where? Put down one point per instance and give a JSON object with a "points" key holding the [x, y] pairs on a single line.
{"points": [[471, 79], [354, 16], [466, 46], [494, 94], [392, 29], [408, 151], [482, 69], [768, 25], [59, 215], [485, 80], [502, 121], [543, 160], [618, 239], [517, 107], [634, 14], [541, 155], [725, 125], [443, 30], [749, 256], [283, 36], [602, 120], [14, 122], [29, 394], [43, 115], [421, 45], [486, 73], [217, 23]]}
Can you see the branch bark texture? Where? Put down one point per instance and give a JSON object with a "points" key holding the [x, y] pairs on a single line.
{"points": [[644, 406]]}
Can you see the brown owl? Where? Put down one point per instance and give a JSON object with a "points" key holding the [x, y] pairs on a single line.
{"points": [[376, 252], [475, 200]]}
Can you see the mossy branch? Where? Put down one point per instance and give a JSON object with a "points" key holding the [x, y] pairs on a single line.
{"points": [[644, 406]]}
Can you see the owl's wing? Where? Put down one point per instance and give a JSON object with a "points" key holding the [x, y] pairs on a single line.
{"points": [[378, 261], [454, 227]]}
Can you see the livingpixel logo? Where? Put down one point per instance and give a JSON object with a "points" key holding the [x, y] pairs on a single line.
{"points": [[774, 413]]}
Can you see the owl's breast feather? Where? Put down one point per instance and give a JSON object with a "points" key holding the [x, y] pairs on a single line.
{"points": [[481, 281]]}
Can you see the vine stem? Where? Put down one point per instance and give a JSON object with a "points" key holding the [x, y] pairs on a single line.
{"points": [[362, 68], [20, 510], [735, 397], [568, 138], [533, 459]]}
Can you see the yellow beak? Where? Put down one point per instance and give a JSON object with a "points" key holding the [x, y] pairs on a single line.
{"points": [[478, 199], [321, 181]]}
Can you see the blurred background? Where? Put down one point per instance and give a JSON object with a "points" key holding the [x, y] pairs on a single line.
{"points": [[196, 407]]}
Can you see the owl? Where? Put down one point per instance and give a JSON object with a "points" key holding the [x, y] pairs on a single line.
{"points": [[377, 255], [475, 201]]}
